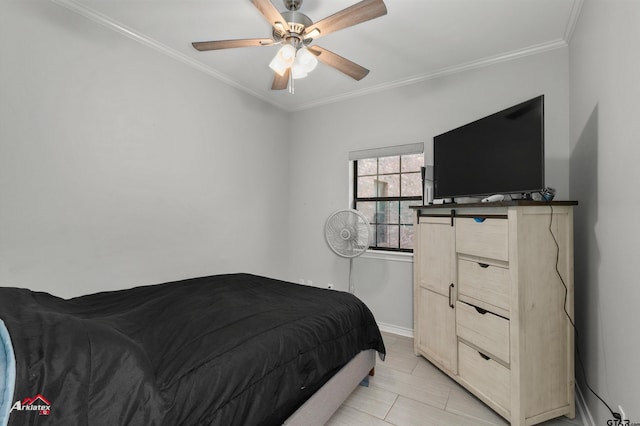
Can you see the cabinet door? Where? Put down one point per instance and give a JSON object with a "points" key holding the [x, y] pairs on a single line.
{"points": [[436, 254], [434, 257], [437, 334]]}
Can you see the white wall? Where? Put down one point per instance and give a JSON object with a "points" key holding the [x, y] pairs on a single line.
{"points": [[120, 166], [323, 136], [605, 149]]}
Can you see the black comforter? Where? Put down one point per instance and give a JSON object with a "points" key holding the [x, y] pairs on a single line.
{"points": [[228, 349]]}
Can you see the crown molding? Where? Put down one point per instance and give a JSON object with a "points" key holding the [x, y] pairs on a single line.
{"points": [[111, 24], [107, 22], [484, 62], [573, 19]]}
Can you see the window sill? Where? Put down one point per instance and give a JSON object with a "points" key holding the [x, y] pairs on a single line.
{"points": [[392, 256]]}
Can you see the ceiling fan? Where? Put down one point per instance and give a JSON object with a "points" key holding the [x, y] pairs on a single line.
{"points": [[295, 31]]}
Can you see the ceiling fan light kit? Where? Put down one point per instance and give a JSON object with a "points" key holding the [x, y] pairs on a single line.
{"points": [[304, 63], [295, 31], [283, 59]]}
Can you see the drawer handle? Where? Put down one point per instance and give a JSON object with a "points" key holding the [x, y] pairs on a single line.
{"points": [[481, 311], [483, 265], [486, 358], [451, 296]]}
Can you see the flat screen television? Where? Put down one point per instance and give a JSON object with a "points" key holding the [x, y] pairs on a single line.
{"points": [[499, 154]]}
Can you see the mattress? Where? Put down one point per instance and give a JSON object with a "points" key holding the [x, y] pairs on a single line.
{"points": [[226, 349]]}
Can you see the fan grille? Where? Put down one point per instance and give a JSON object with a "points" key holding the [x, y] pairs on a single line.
{"points": [[348, 233]]}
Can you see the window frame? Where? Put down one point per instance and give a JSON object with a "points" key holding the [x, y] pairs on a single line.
{"points": [[400, 198]]}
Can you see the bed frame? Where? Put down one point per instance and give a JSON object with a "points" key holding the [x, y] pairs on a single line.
{"points": [[323, 404]]}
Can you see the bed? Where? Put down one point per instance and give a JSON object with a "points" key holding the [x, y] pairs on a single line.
{"points": [[218, 350]]}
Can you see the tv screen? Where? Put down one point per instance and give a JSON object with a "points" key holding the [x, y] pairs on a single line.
{"points": [[499, 154]]}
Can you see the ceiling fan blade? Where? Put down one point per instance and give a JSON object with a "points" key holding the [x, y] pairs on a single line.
{"points": [[229, 44], [280, 82], [270, 12], [356, 14], [343, 65]]}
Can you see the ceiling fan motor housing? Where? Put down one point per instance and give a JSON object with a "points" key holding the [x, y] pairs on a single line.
{"points": [[297, 22]]}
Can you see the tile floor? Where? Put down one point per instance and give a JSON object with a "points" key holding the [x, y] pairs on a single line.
{"points": [[408, 390]]}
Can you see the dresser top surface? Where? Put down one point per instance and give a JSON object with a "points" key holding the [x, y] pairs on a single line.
{"points": [[509, 203]]}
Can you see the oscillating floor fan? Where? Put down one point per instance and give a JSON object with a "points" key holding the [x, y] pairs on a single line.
{"points": [[348, 234]]}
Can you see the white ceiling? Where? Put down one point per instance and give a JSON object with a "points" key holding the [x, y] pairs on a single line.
{"points": [[416, 40]]}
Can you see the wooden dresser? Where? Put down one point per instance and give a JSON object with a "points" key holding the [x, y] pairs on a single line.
{"points": [[490, 308]]}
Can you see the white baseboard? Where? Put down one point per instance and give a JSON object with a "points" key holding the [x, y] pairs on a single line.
{"points": [[394, 329], [581, 405]]}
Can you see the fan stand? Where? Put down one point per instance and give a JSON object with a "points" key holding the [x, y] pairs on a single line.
{"points": [[352, 288]]}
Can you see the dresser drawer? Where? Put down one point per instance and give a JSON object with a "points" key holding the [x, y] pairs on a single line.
{"points": [[485, 237], [483, 329], [486, 283], [485, 375]]}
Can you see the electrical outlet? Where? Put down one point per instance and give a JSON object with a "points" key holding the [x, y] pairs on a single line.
{"points": [[309, 282], [330, 286], [622, 413]]}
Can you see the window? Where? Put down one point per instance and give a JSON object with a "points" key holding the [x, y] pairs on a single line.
{"points": [[384, 186]]}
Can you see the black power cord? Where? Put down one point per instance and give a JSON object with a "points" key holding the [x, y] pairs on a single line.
{"points": [[615, 415]]}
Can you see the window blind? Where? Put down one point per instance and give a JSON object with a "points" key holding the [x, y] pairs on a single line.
{"points": [[413, 148]]}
